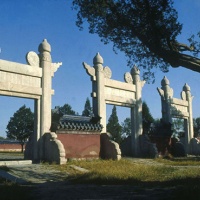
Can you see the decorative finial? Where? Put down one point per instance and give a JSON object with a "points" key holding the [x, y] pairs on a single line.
{"points": [[135, 70], [165, 81], [44, 46], [186, 87], [97, 59]]}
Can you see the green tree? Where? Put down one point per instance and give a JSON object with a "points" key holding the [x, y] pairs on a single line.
{"points": [[66, 109], [87, 108], [196, 125], [145, 30], [126, 127], [147, 118], [178, 126], [21, 125], [113, 126], [2, 138], [58, 112]]}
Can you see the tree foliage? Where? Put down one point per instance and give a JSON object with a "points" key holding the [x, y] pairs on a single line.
{"points": [[58, 112], [196, 124], [178, 127], [113, 126], [145, 30], [21, 125], [147, 118], [126, 127], [87, 108]]}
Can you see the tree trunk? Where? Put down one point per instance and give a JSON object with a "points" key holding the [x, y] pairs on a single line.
{"points": [[177, 59], [22, 149]]}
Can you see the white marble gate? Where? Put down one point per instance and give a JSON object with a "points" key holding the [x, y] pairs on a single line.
{"points": [[32, 81], [108, 91], [177, 108]]}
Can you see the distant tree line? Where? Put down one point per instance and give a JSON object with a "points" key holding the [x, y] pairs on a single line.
{"points": [[21, 124]]}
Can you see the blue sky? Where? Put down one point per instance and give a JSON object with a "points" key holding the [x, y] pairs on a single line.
{"points": [[25, 23]]}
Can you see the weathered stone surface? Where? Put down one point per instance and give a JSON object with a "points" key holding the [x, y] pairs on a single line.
{"points": [[53, 149], [109, 148], [195, 146]]}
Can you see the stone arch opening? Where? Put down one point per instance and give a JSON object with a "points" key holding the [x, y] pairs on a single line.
{"points": [[8, 106]]}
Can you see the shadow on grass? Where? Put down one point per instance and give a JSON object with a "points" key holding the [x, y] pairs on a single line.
{"points": [[14, 191], [84, 186], [182, 188]]}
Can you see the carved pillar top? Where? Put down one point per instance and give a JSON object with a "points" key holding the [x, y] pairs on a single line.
{"points": [[186, 93], [135, 72], [98, 67], [97, 59], [165, 91], [44, 46]]}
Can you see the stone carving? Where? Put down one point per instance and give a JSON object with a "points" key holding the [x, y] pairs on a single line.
{"points": [[128, 78], [109, 148], [33, 59], [54, 149], [165, 91], [55, 67], [90, 70], [183, 95], [107, 72]]}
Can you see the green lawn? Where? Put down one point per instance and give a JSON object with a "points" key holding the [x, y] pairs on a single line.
{"points": [[128, 172], [182, 174]]}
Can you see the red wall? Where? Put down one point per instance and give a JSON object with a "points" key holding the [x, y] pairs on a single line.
{"points": [[10, 147], [80, 145]]}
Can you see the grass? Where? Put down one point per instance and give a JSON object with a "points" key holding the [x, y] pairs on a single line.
{"points": [[127, 172], [181, 174], [186, 161], [11, 155]]}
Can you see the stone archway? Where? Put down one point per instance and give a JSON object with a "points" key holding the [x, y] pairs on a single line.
{"points": [[108, 91], [32, 81], [177, 108]]}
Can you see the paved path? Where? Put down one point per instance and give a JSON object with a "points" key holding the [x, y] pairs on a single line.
{"points": [[32, 173]]}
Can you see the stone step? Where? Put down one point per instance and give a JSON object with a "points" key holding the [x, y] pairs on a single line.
{"points": [[15, 162]]}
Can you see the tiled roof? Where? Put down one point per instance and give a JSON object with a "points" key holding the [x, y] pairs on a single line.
{"points": [[80, 123]]}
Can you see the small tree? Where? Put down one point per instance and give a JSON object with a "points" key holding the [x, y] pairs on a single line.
{"points": [[146, 117], [126, 127], [87, 109], [147, 120], [196, 124], [21, 125], [178, 127], [113, 126], [66, 109]]}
